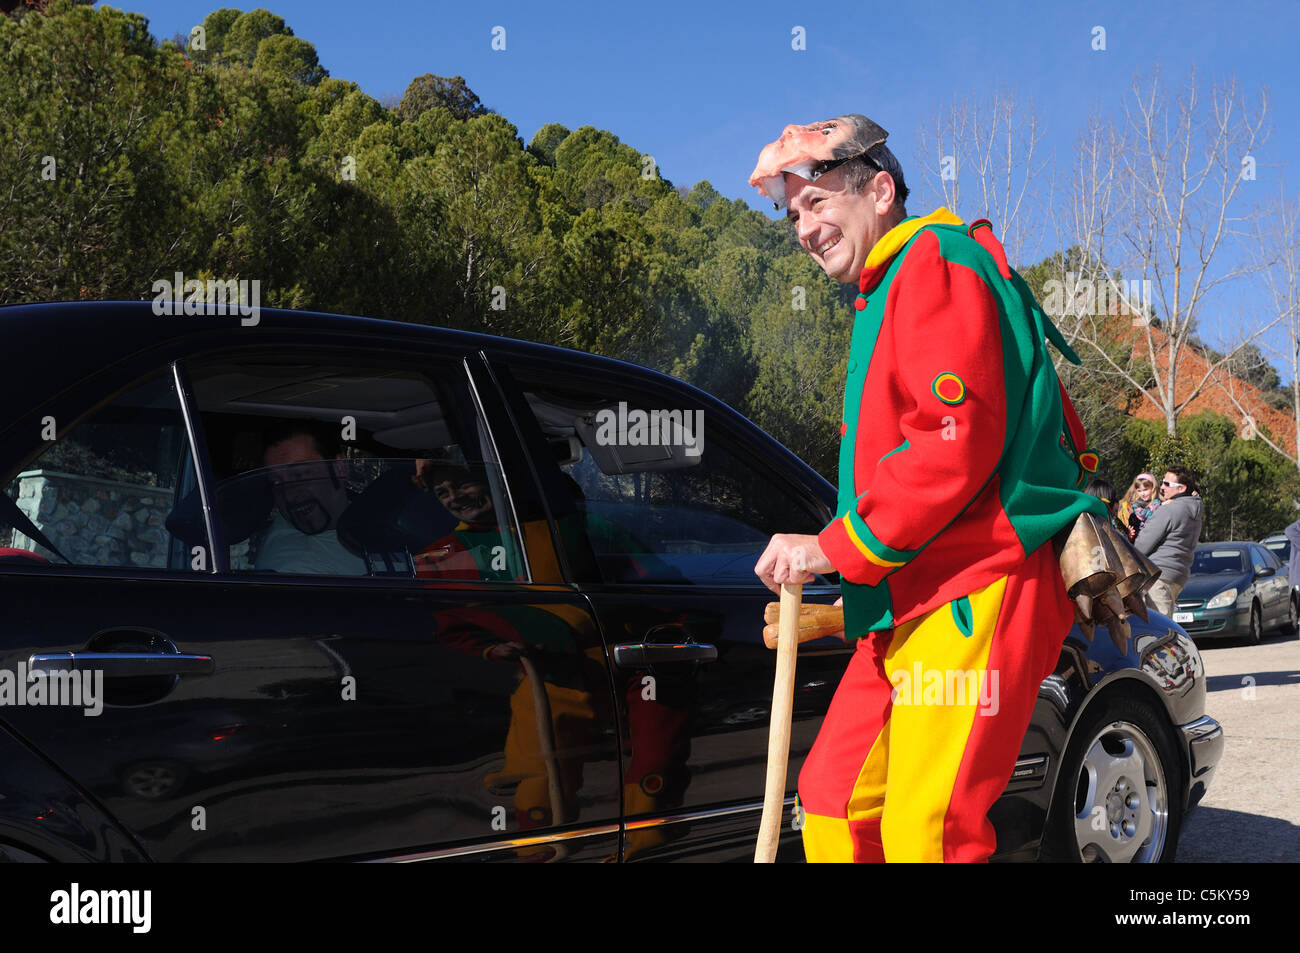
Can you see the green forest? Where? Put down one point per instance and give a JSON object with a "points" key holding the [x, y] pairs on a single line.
{"points": [[234, 154]]}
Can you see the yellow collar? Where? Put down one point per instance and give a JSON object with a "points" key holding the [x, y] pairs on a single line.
{"points": [[902, 233], [884, 250]]}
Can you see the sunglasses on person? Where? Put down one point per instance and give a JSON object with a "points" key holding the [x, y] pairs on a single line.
{"points": [[1167, 483], [830, 165]]}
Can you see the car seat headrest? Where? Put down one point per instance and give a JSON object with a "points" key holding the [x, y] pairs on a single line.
{"points": [[243, 505], [393, 515]]}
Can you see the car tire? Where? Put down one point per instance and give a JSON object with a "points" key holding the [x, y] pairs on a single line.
{"points": [[1255, 634], [1121, 771], [154, 780]]}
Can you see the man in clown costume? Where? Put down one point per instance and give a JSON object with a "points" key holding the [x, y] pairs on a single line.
{"points": [[960, 459]]}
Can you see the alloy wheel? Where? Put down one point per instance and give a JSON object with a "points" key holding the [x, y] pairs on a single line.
{"points": [[1122, 798], [152, 781]]}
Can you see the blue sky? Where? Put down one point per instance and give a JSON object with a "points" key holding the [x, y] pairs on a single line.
{"points": [[703, 89]]}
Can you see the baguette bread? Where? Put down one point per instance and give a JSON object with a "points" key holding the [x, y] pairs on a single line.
{"points": [[815, 622]]}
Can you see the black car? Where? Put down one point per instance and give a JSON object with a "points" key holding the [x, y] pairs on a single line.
{"points": [[352, 589]]}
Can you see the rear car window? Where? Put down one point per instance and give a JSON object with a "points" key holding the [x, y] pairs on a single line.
{"points": [[340, 469], [102, 493]]}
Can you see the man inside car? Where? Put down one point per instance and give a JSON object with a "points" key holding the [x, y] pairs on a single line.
{"points": [[305, 468]]}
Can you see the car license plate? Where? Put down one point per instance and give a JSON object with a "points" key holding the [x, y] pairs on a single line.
{"points": [[1182, 617]]}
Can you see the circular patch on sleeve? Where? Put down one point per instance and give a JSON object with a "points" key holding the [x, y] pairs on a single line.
{"points": [[949, 388], [1089, 460]]}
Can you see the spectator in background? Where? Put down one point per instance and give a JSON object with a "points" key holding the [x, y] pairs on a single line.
{"points": [[1169, 537], [1293, 561], [1103, 491], [1138, 504]]}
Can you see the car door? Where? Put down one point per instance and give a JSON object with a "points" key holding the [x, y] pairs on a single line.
{"points": [[304, 713], [1274, 589], [662, 528]]}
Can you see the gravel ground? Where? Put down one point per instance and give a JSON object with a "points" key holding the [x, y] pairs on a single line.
{"points": [[1252, 809]]}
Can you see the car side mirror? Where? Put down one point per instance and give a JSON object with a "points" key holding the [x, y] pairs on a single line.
{"points": [[1263, 571]]}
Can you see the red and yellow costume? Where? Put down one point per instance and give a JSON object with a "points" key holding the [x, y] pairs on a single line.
{"points": [[957, 467]]}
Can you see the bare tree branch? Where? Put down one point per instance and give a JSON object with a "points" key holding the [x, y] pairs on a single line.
{"points": [[1166, 204]]}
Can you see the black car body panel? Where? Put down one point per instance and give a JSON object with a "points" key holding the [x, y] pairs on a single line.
{"points": [[262, 757], [45, 814]]}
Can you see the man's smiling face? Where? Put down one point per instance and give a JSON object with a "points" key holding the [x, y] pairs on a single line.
{"points": [[465, 498], [307, 488], [838, 227]]}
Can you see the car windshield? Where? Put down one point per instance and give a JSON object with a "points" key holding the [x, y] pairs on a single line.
{"points": [[1216, 561]]}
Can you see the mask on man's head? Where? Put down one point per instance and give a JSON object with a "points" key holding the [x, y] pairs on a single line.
{"points": [[813, 150]]}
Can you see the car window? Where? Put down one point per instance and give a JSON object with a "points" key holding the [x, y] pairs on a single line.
{"points": [[330, 468], [1264, 559], [660, 492], [101, 494], [1212, 561]]}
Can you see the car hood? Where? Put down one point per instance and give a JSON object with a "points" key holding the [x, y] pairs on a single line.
{"points": [[1203, 587]]}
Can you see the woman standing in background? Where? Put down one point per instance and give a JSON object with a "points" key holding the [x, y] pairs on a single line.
{"points": [[1103, 490]]}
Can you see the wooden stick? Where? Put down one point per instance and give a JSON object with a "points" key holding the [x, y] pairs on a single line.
{"points": [[546, 742], [778, 738]]}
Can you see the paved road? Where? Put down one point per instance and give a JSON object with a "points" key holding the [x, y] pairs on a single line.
{"points": [[1252, 810]]}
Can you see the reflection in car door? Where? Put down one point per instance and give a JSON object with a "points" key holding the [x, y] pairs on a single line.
{"points": [[1274, 589], [683, 614]]}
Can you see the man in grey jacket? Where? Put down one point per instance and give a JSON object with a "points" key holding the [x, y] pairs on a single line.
{"points": [[1169, 537], [1293, 567]]}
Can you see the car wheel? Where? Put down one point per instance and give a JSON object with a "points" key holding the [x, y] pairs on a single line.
{"points": [[1118, 797], [1256, 633], [153, 780]]}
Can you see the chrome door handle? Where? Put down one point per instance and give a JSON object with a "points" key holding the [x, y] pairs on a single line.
{"points": [[121, 664], [641, 654]]}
